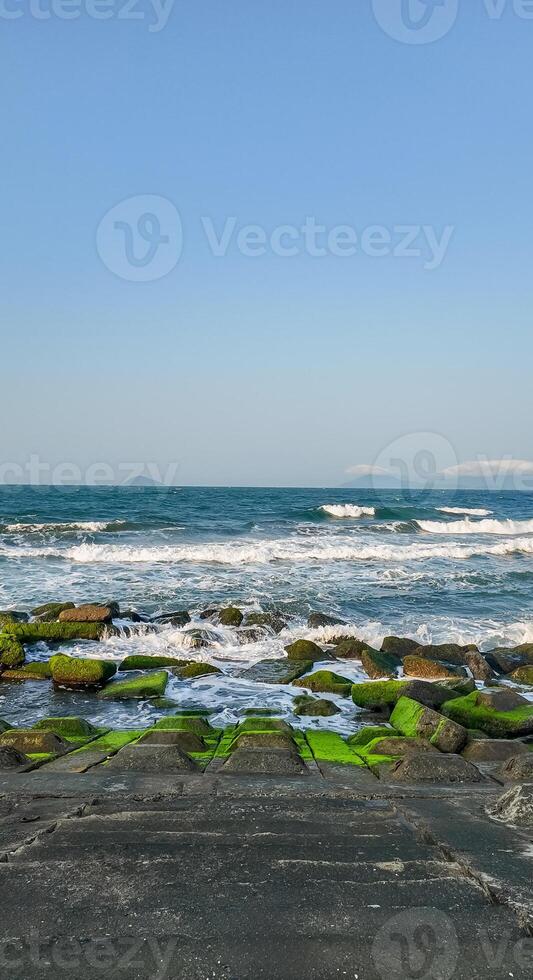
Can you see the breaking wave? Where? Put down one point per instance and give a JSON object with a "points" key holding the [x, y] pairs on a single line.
{"points": [[347, 510], [477, 527], [88, 526], [468, 511]]}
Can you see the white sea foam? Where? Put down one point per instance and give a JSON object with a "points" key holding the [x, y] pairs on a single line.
{"points": [[477, 527], [469, 511], [283, 550], [70, 526], [347, 510]]}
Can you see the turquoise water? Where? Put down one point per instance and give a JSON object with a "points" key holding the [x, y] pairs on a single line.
{"points": [[432, 565]]}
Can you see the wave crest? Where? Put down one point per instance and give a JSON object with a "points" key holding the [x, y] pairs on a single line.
{"points": [[468, 511], [347, 510], [477, 527]]}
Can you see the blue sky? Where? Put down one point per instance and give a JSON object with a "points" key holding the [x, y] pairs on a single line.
{"points": [[265, 368]]}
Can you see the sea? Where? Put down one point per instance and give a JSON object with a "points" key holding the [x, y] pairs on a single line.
{"points": [[435, 565]]}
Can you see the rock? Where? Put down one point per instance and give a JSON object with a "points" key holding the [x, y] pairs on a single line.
{"points": [[179, 618], [459, 688], [369, 734], [518, 769], [472, 712], [151, 684], [11, 652], [397, 746], [51, 610], [399, 646], [5, 726], [184, 723], [305, 650], [433, 767], [316, 620], [68, 727], [87, 614], [249, 634], [272, 620], [478, 666], [381, 695], [77, 673], [523, 675], [58, 632], [259, 724], [264, 740], [351, 648], [315, 708], [502, 700], [506, 659], [208, 613], [275, 671], [416, 720], [379, 665], [35, 670], [147, 662], [264, 762], [326, 680], [414, 666], [28, 741], [11, 758], [230, 616], [9, 617], [431, 694], [514, 807], [198, 638], [493, 750], [152, 759], [133, 616], [450, 653], [195, 669], [186, 741]]}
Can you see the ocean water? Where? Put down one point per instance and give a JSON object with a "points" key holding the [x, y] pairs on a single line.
{"points": [[432, 565]]}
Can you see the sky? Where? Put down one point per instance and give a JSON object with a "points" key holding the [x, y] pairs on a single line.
{"points": [[265, 243]]}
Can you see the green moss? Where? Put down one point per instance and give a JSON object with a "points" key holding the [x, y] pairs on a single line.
{"points": [[184, 723], [11, 652], [195, 669], [224, 746], [305, 650], [263, 724], [263, 712], [523, 675], [5, 726], [368, 734], [315, 708], [377, 694], [499, 724], [330, 747], [77, 672], [57, 632], [302, 745], [70, 727], [35, 670], [326, 680], [111, 741], [148, 685], [406, 716], [230, 616], [144, 662], [51, 610]]}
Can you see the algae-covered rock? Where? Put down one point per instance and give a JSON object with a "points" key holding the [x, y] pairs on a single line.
{"points": [[434, 767], [523, 675], [506, 659], [146, 685], [152, 759], [184, 723], [178, 618], [263, 740], [272, 620], [351, 648], [195, 669], [51, 610], [67, 727], [493, 750], [472, 711], [327, 681], [416, 720], [146, 662], [230, 616], [87, 614], [9, 617], [58, 632], [305, 650], [28, 741], [519, 768], [316, 620], [397, 746], [187, 741], [450, 653], [11, 758], [414, 666], [478, 666], [377, 695], [282, 671], [11, 652], [370, 734], [377, 664], [315, 708], [264, 724], [78, 672], [400, 646], [35, 670], [504, 699]]}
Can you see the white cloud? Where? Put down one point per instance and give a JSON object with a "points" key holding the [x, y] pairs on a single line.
{"points": [[491, 467], [367, 469]]}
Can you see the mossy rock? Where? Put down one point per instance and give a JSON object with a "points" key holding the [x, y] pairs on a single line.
{"points": [[523, 675], [35, 670], [305, 650], [369, 734], [271, 620], [327, 681], [145, 662], [58, 632], [434, 768], [184, 723], [89, 614], [11, 758], [69, 727], [51, 610], [377, 695], [11, 652], [378, 665], [315, 708], [179, 618], [472, 713], [282, 741], [230, 616], [506, 659], [29, 742], [10, 617], [187, 741], [195, 669], [331, 748], [397, 746], [282, 671], [414, 666], [5, 726], [400, 646], [450, 653], [147, 685], [317, 620], [263, 712], [350, 648], [415, 720], [77, 672], [262, 724]]}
